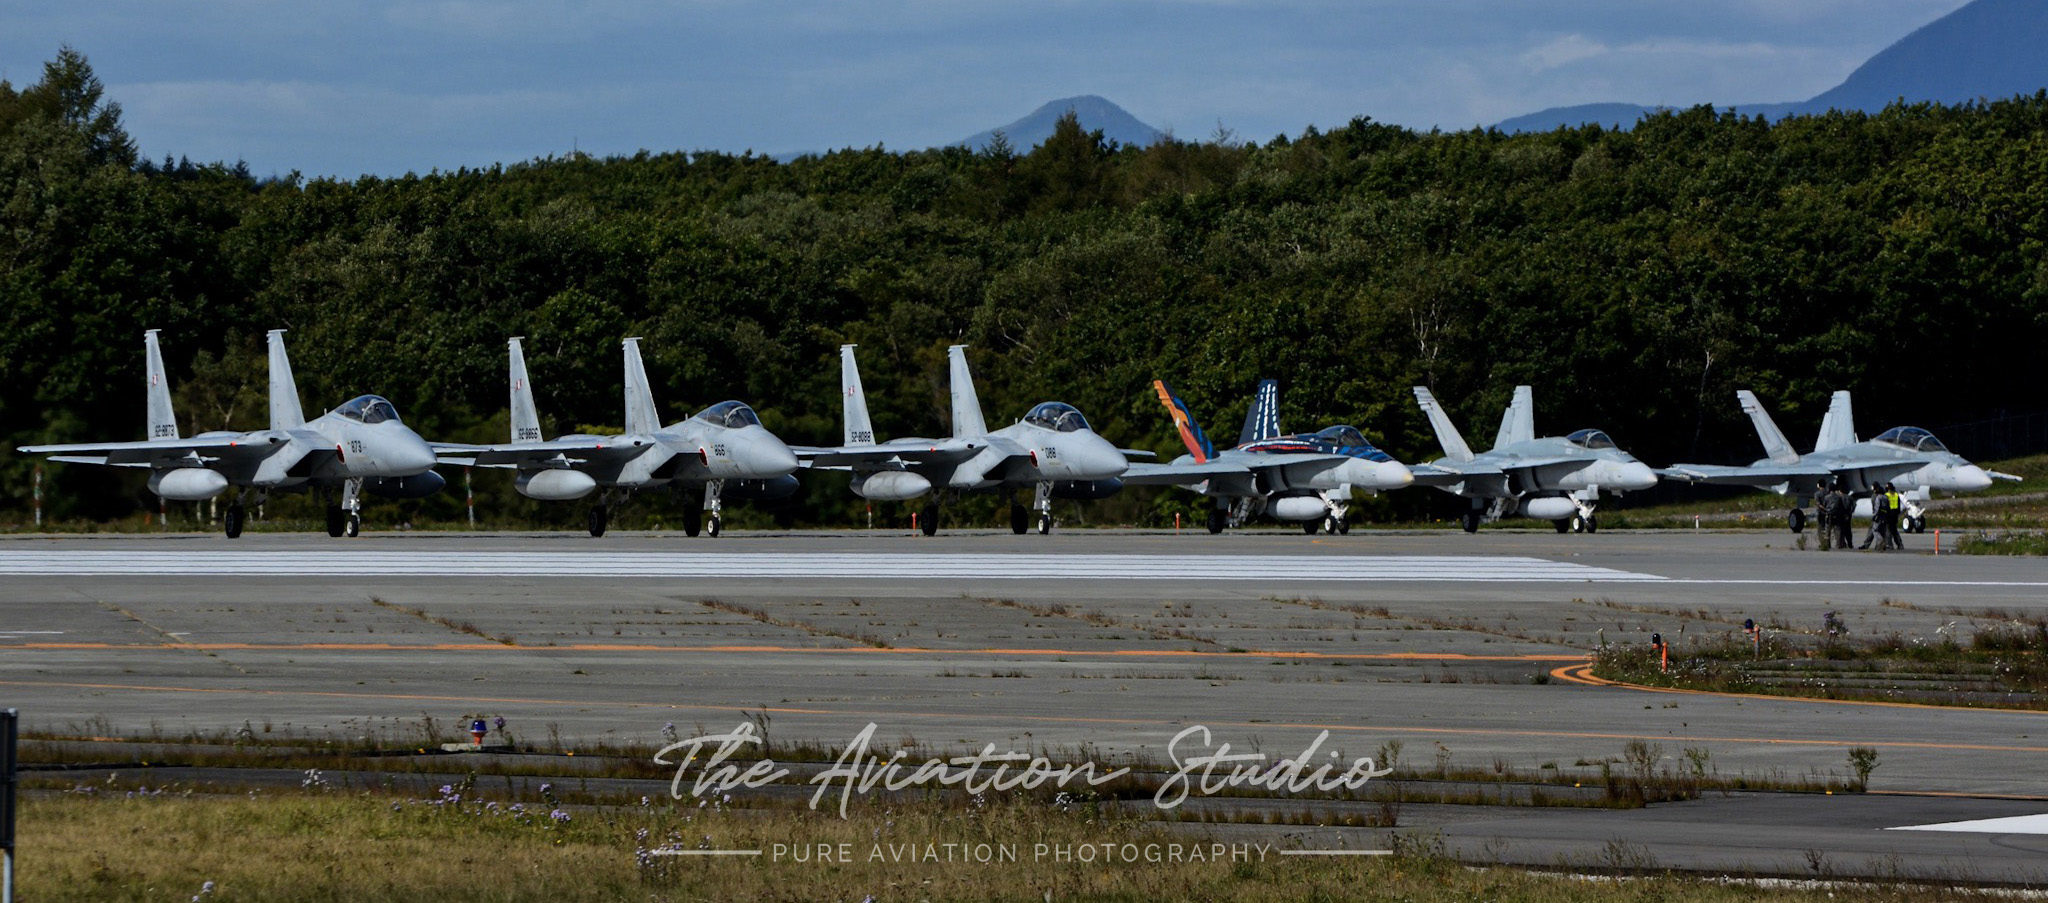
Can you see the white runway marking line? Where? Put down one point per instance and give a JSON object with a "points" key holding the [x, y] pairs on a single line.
{"points": [[1417, 568], [2018, 824]]}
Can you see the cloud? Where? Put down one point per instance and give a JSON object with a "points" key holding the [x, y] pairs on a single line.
{"points": [[1566, 49]]}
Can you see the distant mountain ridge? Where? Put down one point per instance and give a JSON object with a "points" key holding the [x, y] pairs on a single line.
{"points": [[1094, 113], [1990, 49]]}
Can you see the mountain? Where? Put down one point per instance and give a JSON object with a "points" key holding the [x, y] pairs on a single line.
{"points": [[1988, 49], [1094, 113]]}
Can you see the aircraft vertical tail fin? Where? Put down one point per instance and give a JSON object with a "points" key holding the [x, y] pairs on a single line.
{"points": [[1775, 447], [1518, 422], [162, 423], [854, 400], [1263, 420], [1446, 435], [1184, 422], [1838, 427], [525, 415], [967, 420], [640, 415], [285, 413]]}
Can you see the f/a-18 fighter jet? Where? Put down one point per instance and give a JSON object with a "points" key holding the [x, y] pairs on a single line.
{"points": [[722, 452], [360, 446], [1554, 478], [1907, 457], [1052, 452], [1305, 478]]}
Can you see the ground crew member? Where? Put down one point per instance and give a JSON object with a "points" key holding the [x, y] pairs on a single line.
{"points": [[1876, 530], [1845, 532], [1823, 516], [1897, 507]]}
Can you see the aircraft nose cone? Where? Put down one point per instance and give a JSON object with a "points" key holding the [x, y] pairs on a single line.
{"points": [[1971, 478], [1099, 460], [1394, 474], [410, 454], [1635, 475], [768, 457]]}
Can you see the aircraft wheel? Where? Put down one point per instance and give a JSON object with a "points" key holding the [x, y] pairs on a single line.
{"points": [[1217, 520], [1592, 524], [336, 521], [1309, 527], [353, 527], [597, 520], [1797, 520], [1044, 524], [1562, 524], [232, 521], [713, 525], [1344, 526], [928, 520], [1020, 519], [1471, 523], [693, 520]]}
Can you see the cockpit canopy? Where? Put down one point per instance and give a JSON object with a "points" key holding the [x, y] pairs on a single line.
{"points": [[368, 409], [1057, 416], [1590, 439], [729, 414], [1911, 437], [1343, 437]]}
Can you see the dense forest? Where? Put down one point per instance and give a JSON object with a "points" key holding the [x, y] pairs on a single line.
{"points": [[1635, 278]]}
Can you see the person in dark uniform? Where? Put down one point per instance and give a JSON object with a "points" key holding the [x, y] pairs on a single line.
{"points": [[1845, 533], [1875, 533], [1896, 504], [1823, 516]]}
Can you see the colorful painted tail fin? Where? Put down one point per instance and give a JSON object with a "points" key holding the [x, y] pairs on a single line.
{"points": [[1263, 420], [162, 423], [1184, 422]]}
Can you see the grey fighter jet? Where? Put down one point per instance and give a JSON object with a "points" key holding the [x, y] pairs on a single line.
{"points": [[722, 452], [357, 447], [1555, 478], [1052, 452], [1907, 457], [1306, 478]]}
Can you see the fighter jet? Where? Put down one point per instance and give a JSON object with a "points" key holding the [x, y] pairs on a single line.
{"points": [[1908, 457], [1052, 451], [722, 452], [1555, 478], [1306, 477], [359, 446]]}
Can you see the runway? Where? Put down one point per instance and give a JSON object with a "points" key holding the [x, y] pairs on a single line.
{"points": [[1001, 566], [1081, 642]]}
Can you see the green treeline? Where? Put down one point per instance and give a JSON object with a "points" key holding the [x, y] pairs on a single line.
{"points": [[1635, 278]]}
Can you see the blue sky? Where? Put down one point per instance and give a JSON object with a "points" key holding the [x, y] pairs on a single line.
{"points": [[346, 88]]}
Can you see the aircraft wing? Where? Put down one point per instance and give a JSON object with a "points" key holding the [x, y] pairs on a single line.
{"points": [[1432, 475], [1478, 477], [1758, 475], [555, 453], [196, 452], [908, 451], [1182, 473]]}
